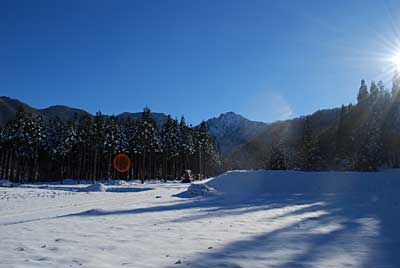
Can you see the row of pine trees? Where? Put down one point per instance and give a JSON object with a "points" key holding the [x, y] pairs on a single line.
{"points": [[365, 137], [84, 148]]}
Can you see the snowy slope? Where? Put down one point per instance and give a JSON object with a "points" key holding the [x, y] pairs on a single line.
{"points": [[256, 182], [160, 225], [231, 130]]}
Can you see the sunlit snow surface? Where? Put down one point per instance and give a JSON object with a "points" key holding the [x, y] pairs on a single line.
{"points": [[162, 225]]}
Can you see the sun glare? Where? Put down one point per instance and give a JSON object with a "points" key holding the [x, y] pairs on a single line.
{"points": [[396, 61]]}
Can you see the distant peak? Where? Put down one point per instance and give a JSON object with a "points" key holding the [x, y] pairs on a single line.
{"points": [[230, 115]]}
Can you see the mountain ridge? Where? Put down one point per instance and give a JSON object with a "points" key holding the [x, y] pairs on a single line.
{"points": [[237, 137]]}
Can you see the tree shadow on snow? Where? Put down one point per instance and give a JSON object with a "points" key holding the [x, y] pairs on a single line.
{"points": [[328, 231], [315, 230], [127, 189], [60, 188]]}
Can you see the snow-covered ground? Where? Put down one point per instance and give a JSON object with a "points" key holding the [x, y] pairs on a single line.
{"points": [[244, 219]]}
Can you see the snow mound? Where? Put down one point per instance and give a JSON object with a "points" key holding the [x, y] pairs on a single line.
{"points": [[258, 182], [5, 183], [96, 187], [118, 182], [200, 189]]}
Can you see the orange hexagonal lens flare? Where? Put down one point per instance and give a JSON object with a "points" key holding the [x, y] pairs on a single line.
{"points": [[122, 163]]}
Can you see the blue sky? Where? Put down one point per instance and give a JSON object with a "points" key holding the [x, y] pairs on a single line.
{"points": [[266, 60]]}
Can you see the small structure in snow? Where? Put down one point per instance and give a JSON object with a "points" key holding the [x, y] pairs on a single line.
{"points": [[96, 187], [187, 176]]}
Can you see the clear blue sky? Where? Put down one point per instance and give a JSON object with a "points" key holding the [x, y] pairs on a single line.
{"points": [[266, 60]]}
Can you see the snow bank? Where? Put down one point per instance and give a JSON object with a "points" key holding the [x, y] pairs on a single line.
{"points": [[257, 182], [200, 189], [5, 183], [96, 187], [117, 182]]}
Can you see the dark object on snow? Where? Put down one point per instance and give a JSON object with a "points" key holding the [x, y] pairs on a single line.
{"points": [[187, 176]]}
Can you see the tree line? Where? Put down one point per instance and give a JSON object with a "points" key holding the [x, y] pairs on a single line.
{"points": [[364, 137], [83, 148]]}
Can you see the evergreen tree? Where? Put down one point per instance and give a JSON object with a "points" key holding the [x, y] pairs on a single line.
{"points": [[148, 143], [340, 133], [201, 146], [277, 159], [170, 145], [98, 139], [396, 85], [38, 139], [84, 144], [310, 148], [374, 91], [370, 154], [112, 142], [23, 137], [186, 145], [363, 92]]}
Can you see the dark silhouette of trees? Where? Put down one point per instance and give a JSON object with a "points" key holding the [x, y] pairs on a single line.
{"points": [[84, 148]]}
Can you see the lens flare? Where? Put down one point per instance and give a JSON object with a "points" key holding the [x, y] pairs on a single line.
{"points": [[122, 163]]}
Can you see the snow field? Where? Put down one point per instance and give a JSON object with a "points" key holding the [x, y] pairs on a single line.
{"points": [[164, 225]]}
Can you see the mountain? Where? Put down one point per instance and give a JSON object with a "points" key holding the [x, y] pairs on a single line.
{"points": [[231, 130], [63, 112], [253, 154], [9, 106], [243, 143]]}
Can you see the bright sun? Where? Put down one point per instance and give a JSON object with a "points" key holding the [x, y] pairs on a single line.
{"points": [[396, 61]]}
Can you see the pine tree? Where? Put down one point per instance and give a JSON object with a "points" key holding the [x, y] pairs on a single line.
{"points": [[186, 145], [396, 85], [369, 155], [98, 143], [21, 142], [38, 139], [201, 146], [148, 144], [170, 143], [310, 148], [374, 91], [340, 133], [363, 92], [112, 142], [277, 159], [84, 144]]}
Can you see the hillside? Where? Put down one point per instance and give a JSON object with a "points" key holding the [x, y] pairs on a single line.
{"points": [[246, 144], [231, 130], [254, 153], [9, 106]]}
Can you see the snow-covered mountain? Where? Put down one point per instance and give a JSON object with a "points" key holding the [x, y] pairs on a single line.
{"points": [[231, 130], [9, 106]]}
